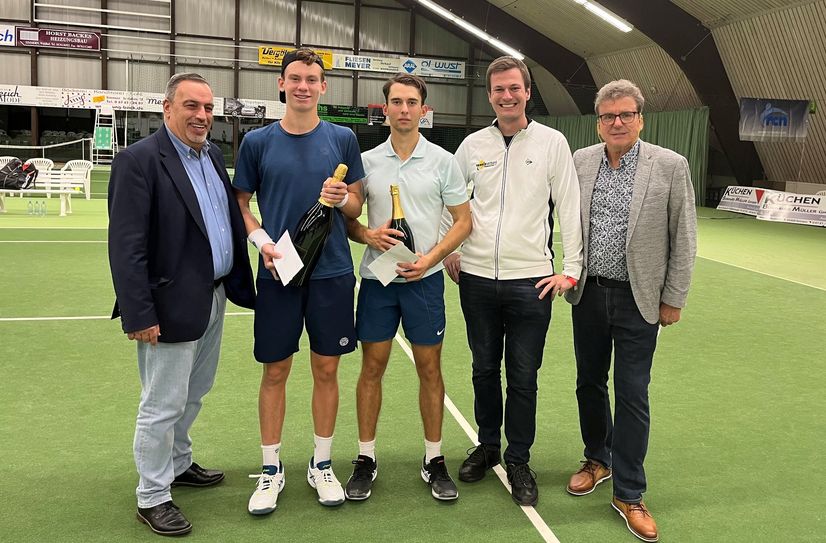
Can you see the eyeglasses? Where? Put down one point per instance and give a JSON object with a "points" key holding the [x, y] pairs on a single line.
{"points": [[626, 117]]}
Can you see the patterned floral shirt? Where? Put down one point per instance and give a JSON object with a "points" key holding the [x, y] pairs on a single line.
{"points": [[610, 206]]}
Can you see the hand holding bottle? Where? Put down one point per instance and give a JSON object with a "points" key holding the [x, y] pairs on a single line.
{"points": [[334, 191], [383, 237]]}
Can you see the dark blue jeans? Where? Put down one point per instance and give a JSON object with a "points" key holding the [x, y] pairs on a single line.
{"points": [[505, 315], [607, 319]]}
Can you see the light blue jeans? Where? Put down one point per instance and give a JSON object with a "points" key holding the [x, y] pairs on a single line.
{"points": [[174, 379]]}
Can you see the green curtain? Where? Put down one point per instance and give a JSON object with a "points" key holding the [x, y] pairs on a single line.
{"points": [[685, 132]]}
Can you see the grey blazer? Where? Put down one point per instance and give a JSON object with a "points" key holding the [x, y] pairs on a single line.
{"points": [[662, 226]]}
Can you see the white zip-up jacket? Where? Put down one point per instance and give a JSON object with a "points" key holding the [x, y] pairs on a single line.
{"points": [[515, 190]]}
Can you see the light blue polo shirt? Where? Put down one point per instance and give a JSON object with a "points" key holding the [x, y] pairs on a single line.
{"points": [[429, 180]]}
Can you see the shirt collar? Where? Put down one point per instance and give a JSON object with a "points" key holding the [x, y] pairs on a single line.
{"points": [[182, 148], [418, 151], [629, 158]]}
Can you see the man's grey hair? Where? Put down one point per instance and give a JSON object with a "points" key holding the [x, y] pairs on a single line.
{"points": [[175, 80], [615, 90]]}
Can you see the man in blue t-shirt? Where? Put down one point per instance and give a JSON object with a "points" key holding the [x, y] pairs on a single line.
{"points": [[287, 164], [429, 180]]}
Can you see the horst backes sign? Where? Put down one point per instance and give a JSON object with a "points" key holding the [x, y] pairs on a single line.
{"points": [[57, 38]]}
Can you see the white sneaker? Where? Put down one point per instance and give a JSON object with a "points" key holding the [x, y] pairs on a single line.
{"points": [[322, 478], [262, 501]]}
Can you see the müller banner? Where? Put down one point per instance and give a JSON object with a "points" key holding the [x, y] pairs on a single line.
{"points": [[774, 205], [56, 38]]}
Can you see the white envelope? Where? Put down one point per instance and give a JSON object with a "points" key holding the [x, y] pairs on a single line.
{"points": [[290, 263], [384, 267]]}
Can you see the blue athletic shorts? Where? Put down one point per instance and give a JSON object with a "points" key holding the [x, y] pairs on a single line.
{"points": [[419, 305], [324, 306]]}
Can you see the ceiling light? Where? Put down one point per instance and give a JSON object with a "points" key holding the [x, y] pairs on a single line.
{"points": [[606, 15], [476, 31]]}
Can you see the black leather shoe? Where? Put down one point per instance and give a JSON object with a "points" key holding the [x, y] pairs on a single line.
{"points": [[478, 462], [523, 484], [195, 475], [165, 519]]}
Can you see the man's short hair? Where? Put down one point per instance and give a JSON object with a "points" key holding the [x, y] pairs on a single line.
{"points": [[305, 55], [406, 79], [175, 80], [615, 90], [505, 63]]}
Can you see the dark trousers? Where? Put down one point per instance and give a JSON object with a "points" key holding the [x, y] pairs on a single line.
{"points": [[505, 315], [607, 318]]}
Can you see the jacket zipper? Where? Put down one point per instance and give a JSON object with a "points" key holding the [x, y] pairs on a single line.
{"points": [[501, 203]]}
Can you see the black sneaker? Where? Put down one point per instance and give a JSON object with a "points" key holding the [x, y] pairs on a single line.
{"points": [[478, 462], [523, 484], [360, 484], [435, 474]]}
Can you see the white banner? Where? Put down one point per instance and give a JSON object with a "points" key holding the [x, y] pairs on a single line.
{"points": [[7, 35], [773, 205], [433, 67], [22, 95], [366, 64], [742, 200], [794, 208]]}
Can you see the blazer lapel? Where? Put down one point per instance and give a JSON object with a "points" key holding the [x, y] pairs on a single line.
{"points": [[172, 163], [641, 178], [590, 169]]}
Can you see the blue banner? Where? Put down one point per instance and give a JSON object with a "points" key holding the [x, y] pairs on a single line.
{"points": [[763, 119]]}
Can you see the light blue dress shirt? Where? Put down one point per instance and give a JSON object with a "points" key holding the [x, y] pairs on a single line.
{"points": [[212, 199]]}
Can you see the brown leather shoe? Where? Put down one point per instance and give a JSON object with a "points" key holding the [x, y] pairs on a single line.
{"points": [[587, 478], [638, 519]]}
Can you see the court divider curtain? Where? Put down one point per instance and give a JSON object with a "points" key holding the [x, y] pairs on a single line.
{"points": [[685, 132]]}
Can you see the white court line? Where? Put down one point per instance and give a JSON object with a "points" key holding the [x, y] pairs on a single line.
{"points": [[762, 273], [50, 241], [53, 228], [538, 522]]}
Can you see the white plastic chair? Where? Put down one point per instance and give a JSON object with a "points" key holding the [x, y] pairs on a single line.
{"points": [[84, 166], [3, 161], [42, 165]]}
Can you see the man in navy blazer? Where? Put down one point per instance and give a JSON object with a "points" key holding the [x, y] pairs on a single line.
{"points": [[177, 251]]}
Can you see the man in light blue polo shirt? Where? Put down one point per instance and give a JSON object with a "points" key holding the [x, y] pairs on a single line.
{"points": [[429, 180]]}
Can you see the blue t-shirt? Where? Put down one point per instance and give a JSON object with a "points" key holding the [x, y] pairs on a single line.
{"points": [[287, 171]]}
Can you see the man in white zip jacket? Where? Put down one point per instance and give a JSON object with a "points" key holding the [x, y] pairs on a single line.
{"points": [[521, 172]]}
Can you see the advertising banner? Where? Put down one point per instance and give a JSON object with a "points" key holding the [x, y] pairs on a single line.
{"points": [[432, 67], [7, 35], [60, 39], [272, 56], [234, 107], [794, 208], [773, 205], [773, 120], [366, 64], [745, 200]]}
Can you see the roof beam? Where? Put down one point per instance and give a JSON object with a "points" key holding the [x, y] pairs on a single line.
{"points": [[568, 68], [692, 47]]}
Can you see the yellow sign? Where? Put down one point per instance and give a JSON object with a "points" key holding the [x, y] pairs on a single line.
{"points": [[272, 56]]}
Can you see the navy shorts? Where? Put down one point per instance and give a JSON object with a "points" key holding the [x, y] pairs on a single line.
{"points": [[324, 306], [419, 305]]}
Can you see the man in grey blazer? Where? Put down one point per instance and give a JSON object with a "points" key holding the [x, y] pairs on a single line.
{"points": [[639, 241]]}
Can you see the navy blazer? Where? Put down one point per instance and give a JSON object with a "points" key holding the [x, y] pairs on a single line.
{"points": [[159, 253]]}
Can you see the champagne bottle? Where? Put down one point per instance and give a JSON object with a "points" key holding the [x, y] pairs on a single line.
{"points": [[312, 231], [399, 222]]}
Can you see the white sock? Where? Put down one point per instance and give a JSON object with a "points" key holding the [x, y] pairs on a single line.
{"points": [[432, 449], [368, 448], [323, 449], [271, 454]]}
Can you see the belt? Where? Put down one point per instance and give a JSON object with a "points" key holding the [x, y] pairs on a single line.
{"points": [[609, 283], [217, 282]]}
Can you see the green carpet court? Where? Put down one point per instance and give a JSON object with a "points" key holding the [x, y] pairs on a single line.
{"points": [[736, 450]]}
